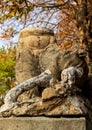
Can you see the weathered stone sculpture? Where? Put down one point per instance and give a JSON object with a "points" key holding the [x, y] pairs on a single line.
{"points": [[37, 52], [31, 44], [55, 78], [62, 99]]}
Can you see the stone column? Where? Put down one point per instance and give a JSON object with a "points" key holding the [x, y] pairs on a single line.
{"points": [[32, 41]]}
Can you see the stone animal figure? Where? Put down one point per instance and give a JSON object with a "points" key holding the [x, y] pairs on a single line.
{"points": [[37, 51], [71, 76], [38, 60], [66, 87], [64, 99]]}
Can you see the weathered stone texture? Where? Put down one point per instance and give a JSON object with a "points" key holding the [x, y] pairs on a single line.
{"points": [[53, 87], [37, 51], [32, 42], [43, 123], [57, 99]]}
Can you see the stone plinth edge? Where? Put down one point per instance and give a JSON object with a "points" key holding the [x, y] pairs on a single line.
{"points": [[44, 123]]}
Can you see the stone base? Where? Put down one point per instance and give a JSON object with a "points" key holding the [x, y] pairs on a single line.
{"points": [[44, 123]]}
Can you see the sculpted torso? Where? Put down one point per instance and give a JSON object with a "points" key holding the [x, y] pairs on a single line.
{"points": [[37, 52]]}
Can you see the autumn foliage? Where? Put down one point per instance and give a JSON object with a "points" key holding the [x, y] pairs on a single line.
{"points": [[72, 18], [7, 69], [71, 21]]}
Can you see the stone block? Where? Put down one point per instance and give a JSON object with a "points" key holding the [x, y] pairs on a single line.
{"points": [[44, 123]]}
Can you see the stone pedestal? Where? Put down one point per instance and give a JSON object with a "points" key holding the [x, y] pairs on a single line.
{"points": [[44, 123]]}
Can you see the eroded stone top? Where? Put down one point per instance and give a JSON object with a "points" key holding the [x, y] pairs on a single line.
{"points": [[36, 31]]}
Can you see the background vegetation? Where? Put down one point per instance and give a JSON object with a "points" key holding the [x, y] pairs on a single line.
{"points": [[7, 70]]}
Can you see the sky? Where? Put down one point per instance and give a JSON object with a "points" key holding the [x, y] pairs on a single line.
{"points": [[10, 24], [33, 22]]}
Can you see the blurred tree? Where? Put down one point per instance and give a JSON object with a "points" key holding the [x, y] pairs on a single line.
{"points": [[72, 19], [7, 69]]}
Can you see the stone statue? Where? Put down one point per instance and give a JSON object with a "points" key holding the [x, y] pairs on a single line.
{"points": [[37, 51], [51, 81]]}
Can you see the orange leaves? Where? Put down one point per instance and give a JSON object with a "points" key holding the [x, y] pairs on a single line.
{"points": [[7, 71], [5, 56], [67, 34], [5, 36], [8, 53], [8, 33], [12, 8], [50, 13], [66, 46]]}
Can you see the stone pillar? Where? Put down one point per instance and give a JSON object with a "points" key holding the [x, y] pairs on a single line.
{"points": [[32, 42]]}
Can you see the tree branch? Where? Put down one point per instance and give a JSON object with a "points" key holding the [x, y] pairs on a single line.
{"points": [[50, 6]]}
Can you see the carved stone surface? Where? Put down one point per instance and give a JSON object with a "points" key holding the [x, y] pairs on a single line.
{"points": [[62, 99], [56, 79], [44, 123], [10, 100], [32, 42], [37, 52]]}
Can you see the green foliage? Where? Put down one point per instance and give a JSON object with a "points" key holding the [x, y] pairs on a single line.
{"points": [[7, 69]]}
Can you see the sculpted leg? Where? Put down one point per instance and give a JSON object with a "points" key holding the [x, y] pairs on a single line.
{"points": [[41, 80]]}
